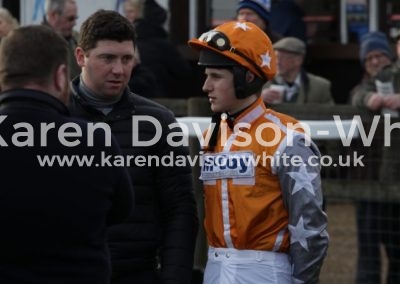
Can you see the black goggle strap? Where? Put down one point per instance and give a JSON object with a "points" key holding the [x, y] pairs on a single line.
{"points": [[220, 41]]}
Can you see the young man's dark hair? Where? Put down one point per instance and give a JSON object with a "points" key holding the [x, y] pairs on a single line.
{"points": [[21, 67], [108, 27], [157, 241]]}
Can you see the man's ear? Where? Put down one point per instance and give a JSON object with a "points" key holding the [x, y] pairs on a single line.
{"points": [[249, 76], [80, 56], [61, 83]]}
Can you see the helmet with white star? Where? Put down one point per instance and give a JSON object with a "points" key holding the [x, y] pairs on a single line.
{"points": [[242, 43]]}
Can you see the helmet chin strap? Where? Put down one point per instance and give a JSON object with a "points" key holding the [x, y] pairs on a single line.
{"points": [[246, 83]]}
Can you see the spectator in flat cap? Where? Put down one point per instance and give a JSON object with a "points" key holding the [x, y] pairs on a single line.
{"points": [[258, 12], [293, 84], [291, 44]]}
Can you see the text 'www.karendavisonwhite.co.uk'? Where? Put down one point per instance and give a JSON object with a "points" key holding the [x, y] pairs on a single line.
{"points": [[172, 160]]}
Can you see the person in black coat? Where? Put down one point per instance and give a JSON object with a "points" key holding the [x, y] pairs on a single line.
{"points": [[156, 52], [156, 244], [54, 208], [287, 19], [143, 82]]}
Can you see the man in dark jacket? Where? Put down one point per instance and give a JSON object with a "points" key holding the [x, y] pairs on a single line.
{"points": [[158, 239], [54, 207]]}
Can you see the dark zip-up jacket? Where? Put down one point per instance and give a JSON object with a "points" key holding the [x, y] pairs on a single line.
{"points": [[163, 227], [54, 218]]}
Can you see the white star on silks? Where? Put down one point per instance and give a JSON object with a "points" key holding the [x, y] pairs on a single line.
{"points": [[266, 60], [302, 180], [299, 234], [242, 26]]}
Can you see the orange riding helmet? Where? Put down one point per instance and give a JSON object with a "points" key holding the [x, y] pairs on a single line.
{"points": [[242, 42]]}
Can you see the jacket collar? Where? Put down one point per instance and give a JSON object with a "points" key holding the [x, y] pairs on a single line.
{"points": [[252, 113], [125, 107]]}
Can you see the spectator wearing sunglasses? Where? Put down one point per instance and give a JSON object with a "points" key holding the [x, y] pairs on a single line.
{"points": [[263, 219], [61, 16]]}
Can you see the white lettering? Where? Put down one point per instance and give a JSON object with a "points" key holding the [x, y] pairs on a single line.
{"points": [[62, 134], [135, 130], [28, 134], [107, 130]]}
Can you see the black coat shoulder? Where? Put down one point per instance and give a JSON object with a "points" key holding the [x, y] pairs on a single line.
{"points": [[145, 106]]}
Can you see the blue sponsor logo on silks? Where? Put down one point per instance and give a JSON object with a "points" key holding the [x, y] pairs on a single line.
{"points": [[228, 165]]}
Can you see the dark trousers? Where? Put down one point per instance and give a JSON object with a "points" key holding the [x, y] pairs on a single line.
{"points": [[378, 223]]}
